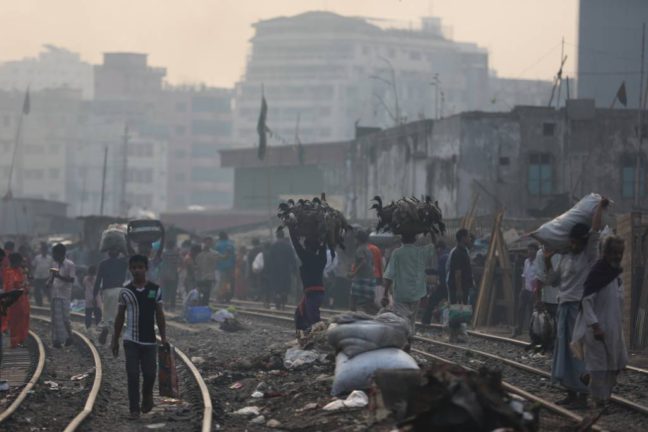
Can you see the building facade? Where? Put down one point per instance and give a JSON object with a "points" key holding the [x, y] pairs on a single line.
{"points": [[54, 68], [533, 162], [322, 73], [199, 123], [609, 49]]}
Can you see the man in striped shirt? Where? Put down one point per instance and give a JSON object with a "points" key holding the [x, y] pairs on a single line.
{"points": [[141, 302]]}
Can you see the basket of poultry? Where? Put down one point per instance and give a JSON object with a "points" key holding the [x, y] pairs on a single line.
{"points": [[409, 216], [314, 220]]}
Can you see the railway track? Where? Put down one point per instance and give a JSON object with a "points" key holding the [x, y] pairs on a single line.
{"points": [[22, 367], [537, 381], [187, 372], [68, 417]]}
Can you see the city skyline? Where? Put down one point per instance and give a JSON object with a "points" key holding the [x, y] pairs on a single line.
{"points": [[169, 44]]}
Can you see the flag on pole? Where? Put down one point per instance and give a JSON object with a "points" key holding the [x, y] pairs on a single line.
{"points": [[262, 128], [621, 95], [26, 105]]}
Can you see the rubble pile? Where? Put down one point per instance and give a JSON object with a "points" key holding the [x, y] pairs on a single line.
{"points": [[448, 398], [409, 215], [315, 220]]}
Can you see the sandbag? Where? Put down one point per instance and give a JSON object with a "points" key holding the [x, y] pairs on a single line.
{"points": [[114, 237], [356, 373], [366, 335], [555, 233]]}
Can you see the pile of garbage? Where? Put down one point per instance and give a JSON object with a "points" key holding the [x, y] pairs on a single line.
{"points": [[365, 344], [315, 220], [449, 398], [227, 319], [409, 215]]}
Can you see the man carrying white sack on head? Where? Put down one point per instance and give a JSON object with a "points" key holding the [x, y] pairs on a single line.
{"points": [[572, 270], [598, 335]]}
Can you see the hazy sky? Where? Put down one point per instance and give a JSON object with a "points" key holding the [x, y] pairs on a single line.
{"points": [[207, 40]]}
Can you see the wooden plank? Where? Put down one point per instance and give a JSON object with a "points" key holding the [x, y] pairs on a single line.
{"points": [[486, 282]]}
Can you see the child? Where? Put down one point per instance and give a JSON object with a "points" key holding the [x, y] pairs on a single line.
{"points": [[141, 300], [92, 303]]}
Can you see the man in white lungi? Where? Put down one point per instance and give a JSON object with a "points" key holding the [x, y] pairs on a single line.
{"points": [[598, 334]]}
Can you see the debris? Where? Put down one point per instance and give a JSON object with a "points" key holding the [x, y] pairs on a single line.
{"points": [[334, 406], [231, 325], [80, 377], [357, 399], [258, 420], [272, 423], [52, 385], [296, 357], [237, 385], [355, 373], [308, 407], [156, 426], [248, 411], [197, 360], [257, 395], [222, 315], [449, 397]]}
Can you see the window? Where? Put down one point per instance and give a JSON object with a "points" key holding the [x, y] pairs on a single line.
{"points": [[180, 130], [628, 170], [204, 150], [54, 173], [219, 104], [540, 181], [504, 161], [205, 174], [140, 175], [548, 129], [181, 107]]}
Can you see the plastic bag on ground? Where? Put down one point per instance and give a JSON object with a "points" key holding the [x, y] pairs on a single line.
{"points": [[221, 315], [555, 233], [357, 399], [296, 357], [356, 373]]}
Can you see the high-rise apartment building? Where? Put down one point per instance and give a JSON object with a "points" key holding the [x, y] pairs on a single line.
{"points": [[609, 49], [54, 68], [322, 73]]}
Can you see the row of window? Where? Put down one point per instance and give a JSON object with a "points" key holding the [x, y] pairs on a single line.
{"points": [[540, 178]]}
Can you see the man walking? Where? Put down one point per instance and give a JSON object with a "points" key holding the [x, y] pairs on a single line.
{"points": [[279, 268], [141, 302], [62, 278], [41, 265], [598, 334], [226, 266], [205, 270], [313, 261], [405, 277], [438, 291], [169, 271], [363, 278], [459, 277], [527, 292], [111, 275], [572, 271]]}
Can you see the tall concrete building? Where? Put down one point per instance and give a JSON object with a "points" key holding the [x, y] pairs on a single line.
{"points": [[60, 156], [322, 73], [199, 122], [609, 49], [54, 68]]}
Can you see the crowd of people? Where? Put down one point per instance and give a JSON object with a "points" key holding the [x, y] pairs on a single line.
{"points": [[413, 276]]}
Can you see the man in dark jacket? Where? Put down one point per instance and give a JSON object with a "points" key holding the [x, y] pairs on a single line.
{"points": [[279, 268], [459, 277]]}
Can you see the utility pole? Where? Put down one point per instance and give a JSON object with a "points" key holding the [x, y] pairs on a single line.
{"points": [[124, 203], [103, 181], [640, 129]]}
